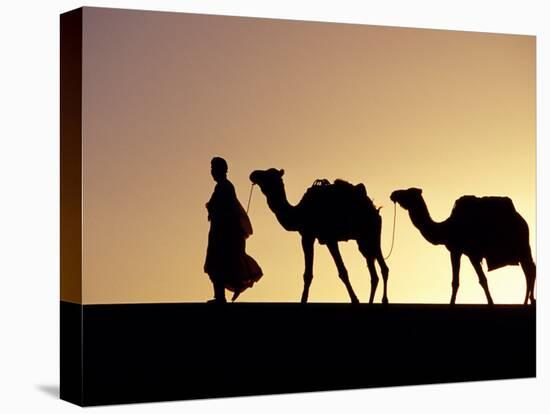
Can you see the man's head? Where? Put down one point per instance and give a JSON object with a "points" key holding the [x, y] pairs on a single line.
{"points": [[218, 168]]}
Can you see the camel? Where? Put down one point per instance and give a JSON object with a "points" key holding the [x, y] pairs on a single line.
{"points": [[329, 213], [487, 228]]}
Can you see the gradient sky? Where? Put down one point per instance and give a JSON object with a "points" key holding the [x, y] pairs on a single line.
{"points": [[450, 112]]}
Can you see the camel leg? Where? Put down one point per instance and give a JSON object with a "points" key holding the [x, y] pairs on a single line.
{"points": [[482, 279], [385, 273], [455, 264], [307, 247], [372, 271], [532, 289], [525, 269], [373, 278], [342, 271], [529, 269]]}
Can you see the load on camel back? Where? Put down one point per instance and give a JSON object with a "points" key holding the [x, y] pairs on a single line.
{"points": [[494, 221], [336, 206]]}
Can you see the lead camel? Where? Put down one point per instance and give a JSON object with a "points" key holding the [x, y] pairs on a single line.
{"points": [[329, 213]]}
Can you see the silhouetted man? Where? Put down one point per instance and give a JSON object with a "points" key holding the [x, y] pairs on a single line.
{"points": [[227, 263]]}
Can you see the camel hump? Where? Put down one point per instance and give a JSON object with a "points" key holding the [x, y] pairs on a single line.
{"points": [[340, 188], [340, 195], [359, 189], [317, 189], [484, 211], [473, 205], [341, 182], [496, 225], [320, 182]]}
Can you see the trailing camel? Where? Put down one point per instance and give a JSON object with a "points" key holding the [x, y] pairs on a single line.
{"points": [[487, 228]]}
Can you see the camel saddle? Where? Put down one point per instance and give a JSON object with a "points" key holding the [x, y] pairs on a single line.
{"points": [[494, 220], [333, 208]]}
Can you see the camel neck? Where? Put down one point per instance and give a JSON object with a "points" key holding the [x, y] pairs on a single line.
{"points": [[283, 210], [432, 231]]}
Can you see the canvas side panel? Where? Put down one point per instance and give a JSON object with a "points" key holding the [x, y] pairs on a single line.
{"points": [[71, 156], [71, 381]]}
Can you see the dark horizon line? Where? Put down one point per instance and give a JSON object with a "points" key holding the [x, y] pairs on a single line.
{"points": [[313, 303]]}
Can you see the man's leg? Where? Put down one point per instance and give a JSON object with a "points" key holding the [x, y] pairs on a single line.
{"points": [[219, 292]]}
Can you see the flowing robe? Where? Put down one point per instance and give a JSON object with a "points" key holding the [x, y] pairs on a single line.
{"points": [[226, 258]]}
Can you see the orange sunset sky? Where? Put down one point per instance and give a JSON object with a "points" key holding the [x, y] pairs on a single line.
{"points": [[450, 112]]}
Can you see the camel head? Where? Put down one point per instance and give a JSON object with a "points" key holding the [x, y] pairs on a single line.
{"points": [[268, 180], [406, 198]]}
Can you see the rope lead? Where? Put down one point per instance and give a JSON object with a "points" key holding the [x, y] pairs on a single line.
{"points": [[393, 232], [249, 198]]}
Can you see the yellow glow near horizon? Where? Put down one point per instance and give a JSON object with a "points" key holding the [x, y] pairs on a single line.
{"points": [[450, 112]]}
